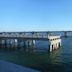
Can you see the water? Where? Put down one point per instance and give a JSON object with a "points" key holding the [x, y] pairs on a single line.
{"points": [[57, 61]]}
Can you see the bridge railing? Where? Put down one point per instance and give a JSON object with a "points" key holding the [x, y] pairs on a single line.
{"points": [[25, 36]]}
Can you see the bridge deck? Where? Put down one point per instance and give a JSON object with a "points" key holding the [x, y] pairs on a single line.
{"points": [[30, 37]]}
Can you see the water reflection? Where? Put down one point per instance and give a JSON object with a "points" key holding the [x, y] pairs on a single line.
{"points": [[59, 60]]}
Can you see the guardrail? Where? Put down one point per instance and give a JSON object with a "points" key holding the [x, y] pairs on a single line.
{"points": [[25, 36]]}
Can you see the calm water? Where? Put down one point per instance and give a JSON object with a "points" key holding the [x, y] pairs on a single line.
{"points": [[57, 61]]}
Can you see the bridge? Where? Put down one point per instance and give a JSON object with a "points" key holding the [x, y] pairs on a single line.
{"points": [[37, 33], [29, 39]]}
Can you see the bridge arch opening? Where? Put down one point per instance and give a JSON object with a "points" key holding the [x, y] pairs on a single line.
{"points": [[59, 44], [52, 47]]}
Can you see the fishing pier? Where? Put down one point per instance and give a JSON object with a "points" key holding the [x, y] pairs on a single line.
{"points": [[14, 39]]}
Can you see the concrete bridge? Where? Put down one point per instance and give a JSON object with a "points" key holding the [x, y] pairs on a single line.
{"points": [[62, 33], [37, 33], [29, 39]]}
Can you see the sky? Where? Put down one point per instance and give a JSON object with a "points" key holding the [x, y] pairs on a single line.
{"points": [[35, 15]]}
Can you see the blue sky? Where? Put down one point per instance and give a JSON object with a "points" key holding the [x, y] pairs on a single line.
{"points": [[35, 15]]}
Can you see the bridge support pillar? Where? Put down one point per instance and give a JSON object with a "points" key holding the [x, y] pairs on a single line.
{"points": [[33, 45], [0, 43], [30, 45], [24, 45], [5, 43], [55, 43], [65, 34], [14, 44]]}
